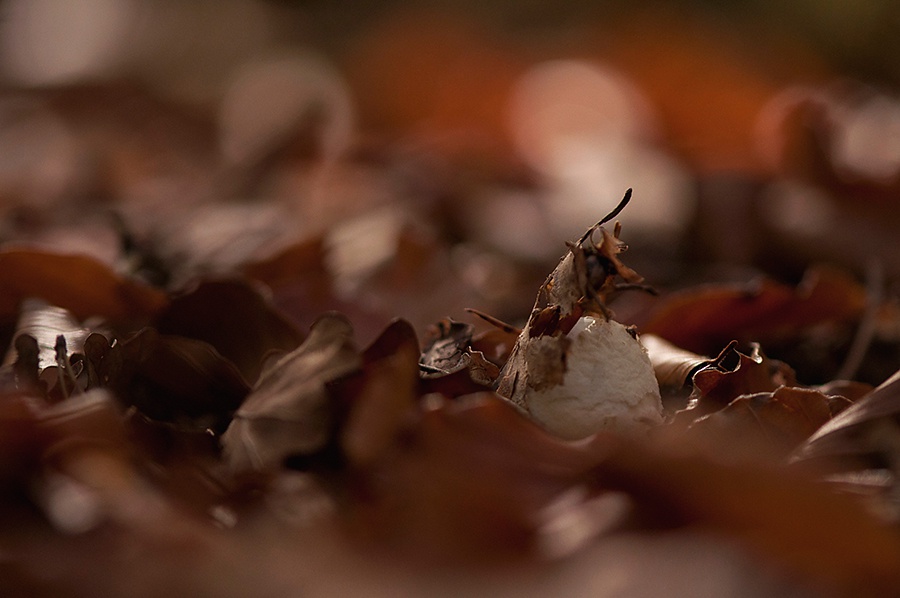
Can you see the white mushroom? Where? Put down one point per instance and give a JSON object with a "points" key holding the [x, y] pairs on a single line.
{"points": [[574, 369], [608, 382]]}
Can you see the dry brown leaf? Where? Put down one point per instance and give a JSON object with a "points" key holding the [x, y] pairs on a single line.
{"points": [[827, 541], [398, 336], [730, 375], [778, 420], [449, 350], [496, 345], [446, 347], [234, 317], [387, 397], [704, 318], [465, 483], [674, 367], [175, 379], [288, 411], [864, 436], [79, 284]]}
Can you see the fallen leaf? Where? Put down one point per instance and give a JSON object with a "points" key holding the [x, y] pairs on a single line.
{"points": [[288, 411], [730, 375], [789, 521], [465, 482], [78, 284], [446, 347], [387, 396], [104, 360], [864, 436], [234, 317], [779, 420], [497, 343], [674, 367], [177, 379], [448, 351], [398, 336], [703, 318]]}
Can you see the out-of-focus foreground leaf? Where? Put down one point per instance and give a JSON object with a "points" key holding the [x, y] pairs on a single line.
{"points": [[795, 524]]}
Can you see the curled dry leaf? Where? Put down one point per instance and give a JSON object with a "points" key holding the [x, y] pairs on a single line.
{"points": [[730, 375], [288, 411], [175, 379], [79, 284], [445, 350], [496, 345], [778, 420], [103, 360], [674, 367], [864, 436], [573, 368], [704, 318], [398, 336], [46, 323], [234, 317], [387, 396], [449, 351]]}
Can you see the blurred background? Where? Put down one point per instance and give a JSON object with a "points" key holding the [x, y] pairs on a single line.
{"points": [[433, 155]]}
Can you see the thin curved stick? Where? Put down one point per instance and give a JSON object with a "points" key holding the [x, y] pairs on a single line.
{"points": [[616, 211]]}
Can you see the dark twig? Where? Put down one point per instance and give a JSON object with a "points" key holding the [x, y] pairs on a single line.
{"points": [[618, 209], [430, 369], [633, 286], [497, 323]]}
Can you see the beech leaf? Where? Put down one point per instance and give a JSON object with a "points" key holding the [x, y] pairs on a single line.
{"points": [[234, 317], [449, 351], [732, 374], [172, 378], [466, 482], [708, 316], [795, 523], [288, 411], [77, 283], [388, 393], [447, 345], [779, 420], [672, 365], [864, 436]]}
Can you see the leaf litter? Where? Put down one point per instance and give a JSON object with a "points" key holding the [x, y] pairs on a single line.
{"points": [[207, 416]]}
